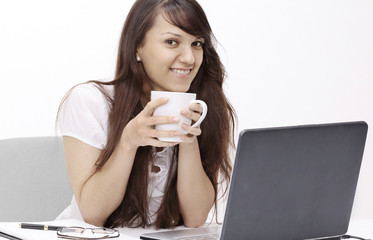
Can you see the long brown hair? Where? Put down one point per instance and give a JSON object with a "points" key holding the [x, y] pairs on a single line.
{"points": [[132, 86]]}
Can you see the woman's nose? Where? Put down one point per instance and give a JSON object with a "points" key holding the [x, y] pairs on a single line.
{"points": [[187, 56]]}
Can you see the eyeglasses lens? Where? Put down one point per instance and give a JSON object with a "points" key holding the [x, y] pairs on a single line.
{"points": [[89, 233]]}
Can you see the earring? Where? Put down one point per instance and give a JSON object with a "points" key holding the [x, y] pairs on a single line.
{"points": [[138, 58]]}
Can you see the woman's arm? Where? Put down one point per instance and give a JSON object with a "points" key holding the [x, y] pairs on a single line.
{"points": [[195, 190], [99, 193]]}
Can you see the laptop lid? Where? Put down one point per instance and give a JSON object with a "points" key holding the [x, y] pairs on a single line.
{"points": [[289, 183], [294, 182]]}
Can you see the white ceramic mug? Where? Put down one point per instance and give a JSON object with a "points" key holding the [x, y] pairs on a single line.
{"points": [[176, 102]]}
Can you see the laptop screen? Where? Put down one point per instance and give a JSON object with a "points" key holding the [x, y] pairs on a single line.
{"points": [[294, 182]]}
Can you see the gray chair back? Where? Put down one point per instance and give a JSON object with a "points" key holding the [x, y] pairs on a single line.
{"points": [[34, 184]]}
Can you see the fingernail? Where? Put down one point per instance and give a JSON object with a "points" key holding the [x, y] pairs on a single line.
{"points": [[164, 99], [184, 112], [175, 119]]}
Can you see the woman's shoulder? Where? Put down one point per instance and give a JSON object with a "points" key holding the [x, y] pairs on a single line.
{"points": [[91, 92], [84, 113]]}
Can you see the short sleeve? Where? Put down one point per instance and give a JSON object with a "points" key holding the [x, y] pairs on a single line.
{"points": [[84, 115]]}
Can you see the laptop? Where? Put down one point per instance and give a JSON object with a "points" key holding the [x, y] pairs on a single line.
{"points": [[289, 183]]}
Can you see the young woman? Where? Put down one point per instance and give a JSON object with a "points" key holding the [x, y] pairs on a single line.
{"points": [[121, 174]]}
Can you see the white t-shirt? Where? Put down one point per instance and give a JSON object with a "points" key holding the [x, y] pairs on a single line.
{"points": [[84, 116]]}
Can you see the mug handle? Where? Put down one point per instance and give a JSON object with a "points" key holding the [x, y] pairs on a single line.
{"points": [[204, 112]]}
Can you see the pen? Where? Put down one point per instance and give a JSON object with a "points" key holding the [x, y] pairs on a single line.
{"points": [[39, 227]]}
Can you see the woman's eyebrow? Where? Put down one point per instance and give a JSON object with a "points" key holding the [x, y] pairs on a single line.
{"points": [[171, 33], [178, 35]]}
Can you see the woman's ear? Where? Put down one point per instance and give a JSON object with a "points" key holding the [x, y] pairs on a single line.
{"points": [[138, 54]]}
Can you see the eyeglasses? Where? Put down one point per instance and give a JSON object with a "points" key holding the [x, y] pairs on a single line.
{"points": [[87, 233]]}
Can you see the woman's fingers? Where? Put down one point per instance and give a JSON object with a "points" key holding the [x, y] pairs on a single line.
{"points": [[190, 114], [196, 131], [193, 113], [156, 120], [164, 133], [195, 107], [156, 143], [152, 105]]}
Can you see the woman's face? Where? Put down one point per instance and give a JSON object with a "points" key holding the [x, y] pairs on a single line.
{"points": [[171, 57]]}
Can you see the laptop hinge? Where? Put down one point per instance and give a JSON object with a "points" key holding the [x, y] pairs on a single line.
{"points": [[331, 238]]}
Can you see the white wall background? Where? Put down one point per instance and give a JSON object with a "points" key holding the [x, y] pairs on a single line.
{"points": [[289, 62]]}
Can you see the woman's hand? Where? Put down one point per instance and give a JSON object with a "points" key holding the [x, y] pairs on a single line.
{"points": [[140, 131], [194, 113]]}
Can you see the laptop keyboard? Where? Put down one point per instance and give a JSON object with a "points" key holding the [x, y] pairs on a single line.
{"points": [[200, 237]]}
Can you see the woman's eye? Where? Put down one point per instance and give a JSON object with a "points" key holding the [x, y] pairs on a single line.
{"points": [[198, 44], [171, 42]]}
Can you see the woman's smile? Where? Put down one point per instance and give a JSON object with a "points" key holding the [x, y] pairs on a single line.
{"points": [[181, 72]]}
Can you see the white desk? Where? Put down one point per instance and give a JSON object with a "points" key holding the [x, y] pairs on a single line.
{"points": [[360, 228], [13, 229]]}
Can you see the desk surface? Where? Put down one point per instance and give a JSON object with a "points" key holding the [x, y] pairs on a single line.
{"points": [[361, 228]]}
